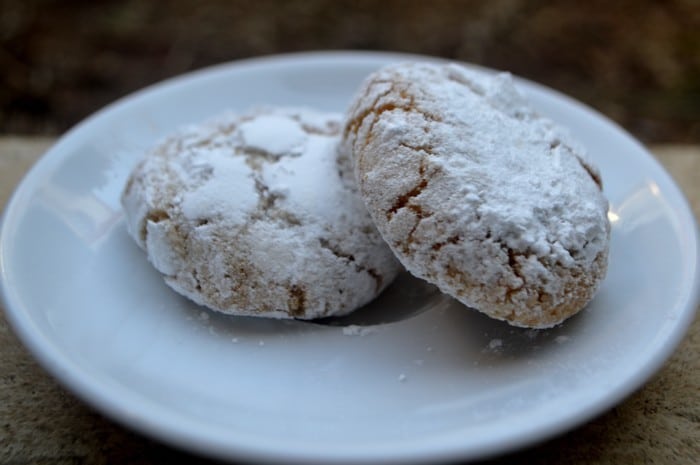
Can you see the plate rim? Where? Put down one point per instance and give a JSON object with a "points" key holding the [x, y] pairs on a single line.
{"points": [[78, 380]]}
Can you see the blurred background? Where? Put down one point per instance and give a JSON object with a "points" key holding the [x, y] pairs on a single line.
{"points": [[636, 61]]}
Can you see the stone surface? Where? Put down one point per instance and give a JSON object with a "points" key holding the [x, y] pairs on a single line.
{"points": [[42, 423]]}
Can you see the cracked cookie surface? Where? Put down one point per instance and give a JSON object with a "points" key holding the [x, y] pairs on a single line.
{"points": [[477, 193], [256, 214]]}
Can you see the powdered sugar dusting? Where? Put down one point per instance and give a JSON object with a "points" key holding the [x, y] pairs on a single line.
{"points": [[325, 197], [231, 184], [249, 215], [273, 134], [477, 193]]}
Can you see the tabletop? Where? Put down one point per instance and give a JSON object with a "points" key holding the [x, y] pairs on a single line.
{"points": [[42, 423]]}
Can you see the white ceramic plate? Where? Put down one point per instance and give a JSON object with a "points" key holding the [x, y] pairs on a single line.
{"points": [[446, 383]]}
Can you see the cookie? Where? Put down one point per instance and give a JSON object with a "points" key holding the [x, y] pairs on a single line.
{"points": [[477, 193], [256, 214]]}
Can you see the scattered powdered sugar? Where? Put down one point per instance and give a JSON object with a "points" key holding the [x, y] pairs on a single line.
{"points": [[561, 339], [495, 344], [402, 378], [357, 330]]}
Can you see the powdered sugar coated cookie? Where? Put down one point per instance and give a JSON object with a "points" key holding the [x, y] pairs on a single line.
{"points": [[477, 193], [253, 215]]}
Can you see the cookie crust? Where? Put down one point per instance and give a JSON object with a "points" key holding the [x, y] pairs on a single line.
{"points": [[253, 215], [477, 193]]}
